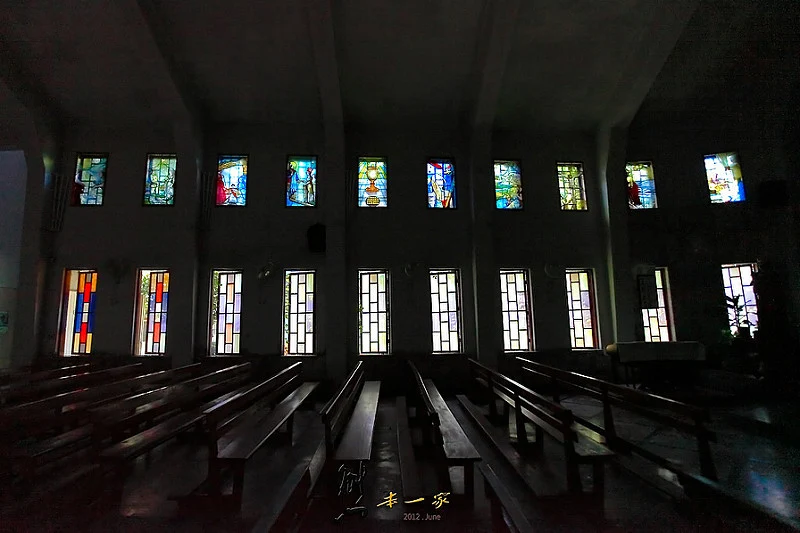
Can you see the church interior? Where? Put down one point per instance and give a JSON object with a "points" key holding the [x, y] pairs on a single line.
{"points": [[362, 265]]}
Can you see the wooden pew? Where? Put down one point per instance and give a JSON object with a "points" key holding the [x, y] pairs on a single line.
{"points": [[28, 376], [349, 418], [409, 473], [502, 500], [458, 449], [686, 418], [21, 392], [548, 418], [425, 411]]}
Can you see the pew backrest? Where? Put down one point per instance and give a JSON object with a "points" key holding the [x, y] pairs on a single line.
{"points": [[336, 412]]}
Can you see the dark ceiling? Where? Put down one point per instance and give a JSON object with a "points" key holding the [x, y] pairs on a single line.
{"points": [[575, 65]]}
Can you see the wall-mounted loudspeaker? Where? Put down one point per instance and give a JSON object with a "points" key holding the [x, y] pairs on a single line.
{"points": [[316, 238]]}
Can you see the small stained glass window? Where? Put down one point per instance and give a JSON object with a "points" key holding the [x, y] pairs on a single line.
{"points": [[740, 296], [77, 312], [151, 317], [516, 310], [571, 187], [301, 182], [641, 185], [724, 177], [159, 186], [446, 311], [298, 312], [90, 179], [373, 312], [372, 190], [226, 311], [441, 183], [507, 185], [580, 302], [657, 320], [232, 180]]}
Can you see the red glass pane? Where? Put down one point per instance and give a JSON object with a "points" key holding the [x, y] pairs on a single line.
{"points": [[157, 332], [84, 330], [159, 291]]}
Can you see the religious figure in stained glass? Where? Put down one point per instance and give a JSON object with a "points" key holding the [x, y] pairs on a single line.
{"points": [[301, 182], [159, 186], [507, 185], [441, 183], [372, 182], [724, 177], [90, 180], [641, 185], [232, 180], [571, 188]]}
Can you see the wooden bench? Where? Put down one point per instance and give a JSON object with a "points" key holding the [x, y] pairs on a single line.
{"points": [[29, 376], [349, 418], [409, 474], [458, 449], [502, 500], [548, 418], [689, 419]]}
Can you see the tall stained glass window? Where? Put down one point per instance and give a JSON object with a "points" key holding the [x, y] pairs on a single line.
{"points": [[517, 323], [372, 182], [159, 185], [441, 183], [232, 180], [446, 310], [373, 312], [580, 302], [657, 321], [298, 312], [77, 311], [641, 185], [226, 311], [151, 313], [724, 177], [740, 296], [301, 182], [507, 185], [570, 187], [90, 179]]}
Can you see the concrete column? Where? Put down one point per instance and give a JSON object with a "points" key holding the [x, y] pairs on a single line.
{"points": [[622, 306]]}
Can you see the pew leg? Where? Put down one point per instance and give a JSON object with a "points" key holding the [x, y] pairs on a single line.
{"points": [[469, 484], [598, 481], [238, 484]]}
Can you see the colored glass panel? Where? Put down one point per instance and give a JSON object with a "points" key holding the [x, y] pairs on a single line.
{"points": [[301, 182], [151, 320], [724, 177], [657, 320], [445, 311], [580, 303], [515, 299], [90, 180], [740, 296], [298, 313], [373, 312], [232, 180], [159, 186], [507, 185], [571, 187], [441, 183], [77, 311], [372, 191], [226, 311], [641, 185]]}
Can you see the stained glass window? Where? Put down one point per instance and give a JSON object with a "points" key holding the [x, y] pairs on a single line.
{"points": [[373, 312], [151, 323], [298, 312], [515, 296], [441, 183], [159, 185], [740, 296], [641, 185], [372, 182], [446, 311], [90, 179], [232, 180], [77, 311], [657, 322], [226, 311], [507, 185], [580, 302], [724, 177], [301, 182], [570, 186]]}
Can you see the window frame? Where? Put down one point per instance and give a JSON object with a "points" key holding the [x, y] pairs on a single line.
{"points": [[584, 192], [655, 191], [247, 180], [459, 311], [138, 309], [387, 272], [518, 161], [286, 320], [147, 174], [452, 161], [89, 155], [290, 157], [358, 178], [593, 308], [666, 289], [528, 309], [63, 315], [215, 287]]}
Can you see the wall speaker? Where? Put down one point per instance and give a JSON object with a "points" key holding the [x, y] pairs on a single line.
{"points": [[316, 238]]}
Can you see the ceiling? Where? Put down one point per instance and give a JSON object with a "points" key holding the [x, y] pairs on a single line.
{"points": [[532, 63]]}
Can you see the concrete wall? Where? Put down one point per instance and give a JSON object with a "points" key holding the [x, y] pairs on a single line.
{"points": [[13, 178]]}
